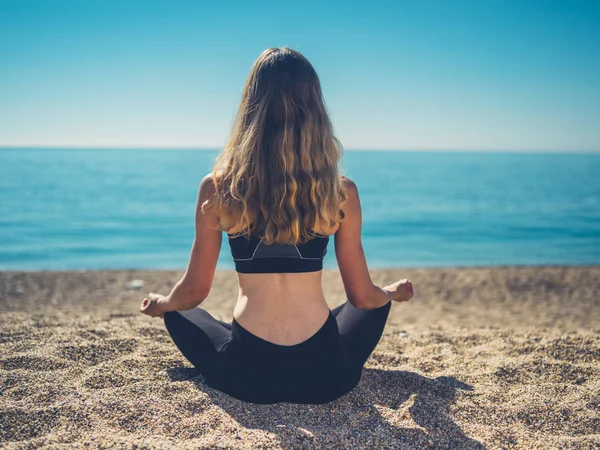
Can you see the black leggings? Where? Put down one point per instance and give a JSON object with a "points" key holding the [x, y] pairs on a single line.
{"points": [[245, 366]]}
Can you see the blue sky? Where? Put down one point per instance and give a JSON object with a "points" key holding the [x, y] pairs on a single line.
{"points": [[422, 74]]}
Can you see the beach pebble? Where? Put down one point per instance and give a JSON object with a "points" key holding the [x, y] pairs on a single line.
{"points": [[134, 284]]}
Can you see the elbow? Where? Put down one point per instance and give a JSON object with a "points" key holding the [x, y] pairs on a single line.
{"points": [[370, 299], [189, 297], [193, 303], [364, 305], [362, 302], [196, 298], [360, 305]]}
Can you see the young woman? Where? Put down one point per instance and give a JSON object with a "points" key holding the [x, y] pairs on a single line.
{"points": [[276, 191]]}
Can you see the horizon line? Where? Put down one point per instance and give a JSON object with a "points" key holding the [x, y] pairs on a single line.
{"points": [[349, 149]]}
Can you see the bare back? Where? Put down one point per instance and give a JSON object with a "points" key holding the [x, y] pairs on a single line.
{"points": [[282, 308]]}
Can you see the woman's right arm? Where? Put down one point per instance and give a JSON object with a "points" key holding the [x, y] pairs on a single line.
{"points": [[360, 289]]}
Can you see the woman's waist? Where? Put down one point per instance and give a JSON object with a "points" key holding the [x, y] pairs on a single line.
{"points": [[282, 321], [280, 284], [266, 339]]}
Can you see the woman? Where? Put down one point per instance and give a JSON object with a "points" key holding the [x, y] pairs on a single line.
{"points": [[276, 191]]}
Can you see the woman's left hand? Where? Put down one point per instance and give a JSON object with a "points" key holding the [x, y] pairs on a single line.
{"points": [[153, 305]]}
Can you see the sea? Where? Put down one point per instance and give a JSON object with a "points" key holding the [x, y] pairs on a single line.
{"points": [[84, 209]]}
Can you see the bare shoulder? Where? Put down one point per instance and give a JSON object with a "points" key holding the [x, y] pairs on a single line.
{"points": [[206, 196], [351, 191], [348, 184], [207, 187]]}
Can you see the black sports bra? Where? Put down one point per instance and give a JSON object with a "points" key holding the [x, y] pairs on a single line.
{"points": [[252, 255]]}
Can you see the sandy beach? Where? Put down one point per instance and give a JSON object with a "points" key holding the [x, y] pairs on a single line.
{"points": [[481, 358]]}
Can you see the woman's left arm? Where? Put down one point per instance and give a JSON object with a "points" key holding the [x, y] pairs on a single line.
{"points": [[196, 282]]}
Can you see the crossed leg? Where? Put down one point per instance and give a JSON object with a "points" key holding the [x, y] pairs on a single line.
{"points": [[360, 329], [198, 335]]}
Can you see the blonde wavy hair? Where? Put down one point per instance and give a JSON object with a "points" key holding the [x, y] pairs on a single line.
{"points": [[278, 175]]}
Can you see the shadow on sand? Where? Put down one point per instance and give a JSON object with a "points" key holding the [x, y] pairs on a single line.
{"points": [[388, 408]]}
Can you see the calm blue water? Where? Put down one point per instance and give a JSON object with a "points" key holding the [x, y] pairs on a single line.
{"points": [[92, 209]]}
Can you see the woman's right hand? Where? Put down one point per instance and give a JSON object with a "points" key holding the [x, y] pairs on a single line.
{"points": [[153, 305], [401, 291]]}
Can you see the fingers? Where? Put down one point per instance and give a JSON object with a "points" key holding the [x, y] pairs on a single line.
{"points": [[145, 306], [148, 300], [149, 306], [408, 288]]}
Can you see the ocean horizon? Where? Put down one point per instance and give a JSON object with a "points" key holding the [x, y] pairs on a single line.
{"points": [[86, 209]]}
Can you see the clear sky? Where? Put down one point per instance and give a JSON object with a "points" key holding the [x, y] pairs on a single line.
{"points": [[422, 74]]}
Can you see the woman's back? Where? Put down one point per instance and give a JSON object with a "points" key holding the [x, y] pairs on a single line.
{"points": [[276, 191], [282, 307]]}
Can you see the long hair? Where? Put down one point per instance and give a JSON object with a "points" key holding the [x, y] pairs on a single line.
{"points": [[278, 175]]}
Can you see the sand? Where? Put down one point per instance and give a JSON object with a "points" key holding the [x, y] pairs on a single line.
{"points": [[481, 358]]}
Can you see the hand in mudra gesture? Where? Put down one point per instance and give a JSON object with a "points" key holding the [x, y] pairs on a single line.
{"points": [[152, 305], [401, 291]]}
